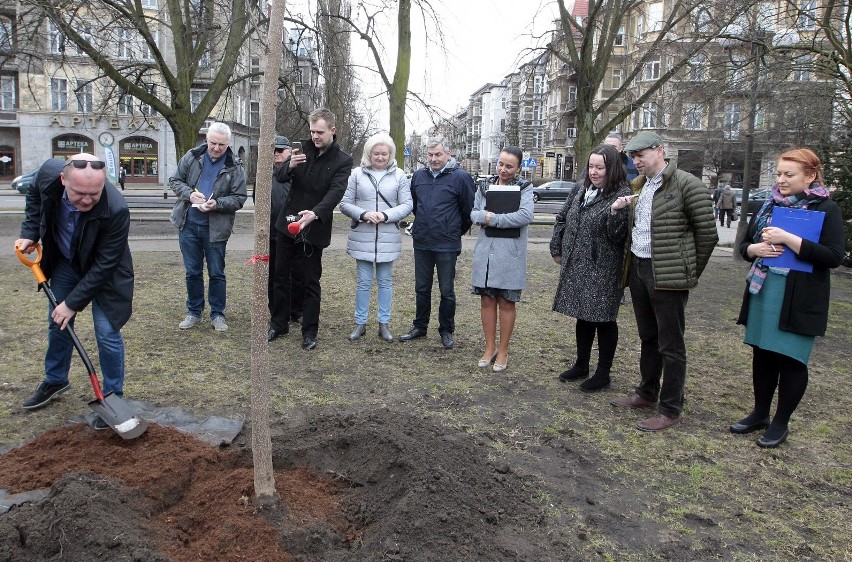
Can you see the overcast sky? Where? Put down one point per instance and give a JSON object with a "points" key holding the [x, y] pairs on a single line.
{"points": [[484, 41]]}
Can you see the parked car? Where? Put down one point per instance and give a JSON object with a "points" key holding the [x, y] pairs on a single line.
{"points": [[756, 198], [553, 190], [22, 183]]}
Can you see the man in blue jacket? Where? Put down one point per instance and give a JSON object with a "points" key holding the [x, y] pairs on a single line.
{"points": [[443, 198], [82, 222]]}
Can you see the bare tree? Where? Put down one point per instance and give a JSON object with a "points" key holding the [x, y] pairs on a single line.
{"points": [[177, 60], [587, 45]]}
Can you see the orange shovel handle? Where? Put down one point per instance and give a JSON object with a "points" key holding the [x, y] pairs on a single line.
{"points": [[33, 264]]}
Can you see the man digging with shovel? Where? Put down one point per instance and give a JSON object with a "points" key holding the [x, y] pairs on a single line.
{"points": [[82, 222]]}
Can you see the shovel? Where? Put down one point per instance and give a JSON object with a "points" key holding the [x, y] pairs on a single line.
{"points": [[111, 408]]}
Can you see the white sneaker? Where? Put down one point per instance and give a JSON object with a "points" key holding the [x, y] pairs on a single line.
{"points": [[189, 322], [219, 323]]}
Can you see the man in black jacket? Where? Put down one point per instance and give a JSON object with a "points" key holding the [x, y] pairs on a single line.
{"points": [[318, 174], [82, 222]]}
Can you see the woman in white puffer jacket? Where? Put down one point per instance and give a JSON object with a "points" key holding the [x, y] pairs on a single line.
{"points": [[377, 198]]}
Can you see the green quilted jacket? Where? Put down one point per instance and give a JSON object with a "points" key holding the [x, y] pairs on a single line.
{"points": [[683, 231]]}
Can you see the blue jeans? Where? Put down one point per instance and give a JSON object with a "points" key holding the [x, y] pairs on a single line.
{"points": [[661, 325], [425, 262], [384, 281], [195, 246], [57, 360]]}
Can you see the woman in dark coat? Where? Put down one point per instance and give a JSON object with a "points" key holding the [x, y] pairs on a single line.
{"points": [[588, 243], [784, 309]]}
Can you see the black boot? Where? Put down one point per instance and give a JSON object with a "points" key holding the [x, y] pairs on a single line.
{"points": [[576, 372], [599, 381]]}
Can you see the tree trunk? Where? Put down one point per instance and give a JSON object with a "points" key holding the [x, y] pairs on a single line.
{"points": [[399, 89], [261, 441]]}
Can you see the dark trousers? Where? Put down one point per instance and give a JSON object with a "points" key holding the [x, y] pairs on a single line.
{"points": [[425, 264], [296, 259], [660, 321], [723, 213], [297, 286], [607, 342]]}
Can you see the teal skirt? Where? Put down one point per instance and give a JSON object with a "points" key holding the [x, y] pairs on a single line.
{"points": [[764, 311]]}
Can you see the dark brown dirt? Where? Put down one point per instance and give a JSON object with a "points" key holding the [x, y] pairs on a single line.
{"points": [[369, 486]]}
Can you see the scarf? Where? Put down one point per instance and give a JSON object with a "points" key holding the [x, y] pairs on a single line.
{"points": [[812, 194]]}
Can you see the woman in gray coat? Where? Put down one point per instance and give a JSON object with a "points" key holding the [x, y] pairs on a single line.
{"points": [[588, 243], [377, 197], [500, 255]]}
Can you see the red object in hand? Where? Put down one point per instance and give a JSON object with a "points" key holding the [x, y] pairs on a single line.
{"points": [[294, 228]]}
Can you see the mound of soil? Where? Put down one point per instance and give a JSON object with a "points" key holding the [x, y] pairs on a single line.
{"points": [[377, 485]]}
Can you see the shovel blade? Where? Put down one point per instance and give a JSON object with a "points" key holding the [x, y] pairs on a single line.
{"points": [[118, 415]]}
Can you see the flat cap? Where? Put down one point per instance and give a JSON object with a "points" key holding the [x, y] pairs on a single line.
{"points": [[282, 142], [645, 139]]}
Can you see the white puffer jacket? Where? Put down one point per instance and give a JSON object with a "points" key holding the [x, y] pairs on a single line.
{"points": [[376, 242]]}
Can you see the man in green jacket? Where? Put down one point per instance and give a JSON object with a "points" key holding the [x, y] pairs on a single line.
{"points": [[673, 234]]}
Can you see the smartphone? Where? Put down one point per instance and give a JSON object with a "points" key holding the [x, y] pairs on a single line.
{"points": [[296, 146]]}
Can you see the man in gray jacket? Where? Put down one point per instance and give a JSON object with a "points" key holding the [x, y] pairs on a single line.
{"points": [[210, 186]]}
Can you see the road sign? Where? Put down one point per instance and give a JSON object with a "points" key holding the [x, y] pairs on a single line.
{"points": [[408, 151], [529, 163]]}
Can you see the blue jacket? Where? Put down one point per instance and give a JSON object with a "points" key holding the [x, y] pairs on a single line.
{"points": [[442, 208]]}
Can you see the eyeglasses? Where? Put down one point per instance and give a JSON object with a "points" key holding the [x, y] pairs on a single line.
{"points": [[80, 164], [280, 150]]}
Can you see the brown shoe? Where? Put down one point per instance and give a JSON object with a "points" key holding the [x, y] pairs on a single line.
{"points": [[657, 423], [633, 401]]}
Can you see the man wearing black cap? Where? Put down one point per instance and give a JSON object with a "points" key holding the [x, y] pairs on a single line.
{"points": [[673, 234], [279, 192]]}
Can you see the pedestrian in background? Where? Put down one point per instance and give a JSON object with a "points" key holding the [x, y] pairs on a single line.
{"points": [[727, 205], [500, 257], [784, 309], [588, 244], [377, 197]]}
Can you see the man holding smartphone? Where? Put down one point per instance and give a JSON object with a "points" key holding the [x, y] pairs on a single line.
{"points": [[318, 171]]}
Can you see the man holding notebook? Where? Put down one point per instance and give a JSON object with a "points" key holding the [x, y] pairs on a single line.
{"points": [[443, 198]]}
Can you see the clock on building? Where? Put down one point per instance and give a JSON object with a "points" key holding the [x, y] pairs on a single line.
{"points": [[106, 138]]}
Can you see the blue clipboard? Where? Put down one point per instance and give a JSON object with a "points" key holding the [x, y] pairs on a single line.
{"points": [[804, 224]]}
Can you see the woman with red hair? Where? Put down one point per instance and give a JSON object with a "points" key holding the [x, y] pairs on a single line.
{"points": [[784, 309]]}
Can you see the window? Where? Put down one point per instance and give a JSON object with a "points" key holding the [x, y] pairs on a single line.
{"points": [[760, 118], [125, 104], [619, 37], [8, 93], [738, 63], [57, 39], [149, 4], [204, 61], [649, 116], [255, 69], [802, 68], [124, 43], [86, 33], [655, 17], [538, 86], [85, 100], [651, 70], [195, 97], [538, 139], [58, 94], [572, 94], [766, 16], [145, 52], [6, 34], [144, 108], [731, 125], [807, 14], [502, 125], [616, 79], [697, 68], [254, 114], [693, 118], [538, 115]]}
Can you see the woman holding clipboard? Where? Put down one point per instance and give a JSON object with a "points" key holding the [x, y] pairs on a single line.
{"points": [[503, 209], [785, 305]]}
